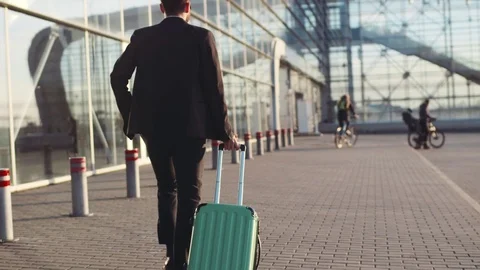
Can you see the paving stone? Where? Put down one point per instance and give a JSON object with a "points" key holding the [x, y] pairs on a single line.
{"points": [[375, 206]]}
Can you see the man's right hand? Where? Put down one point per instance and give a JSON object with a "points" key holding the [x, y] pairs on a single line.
{"points": [[232, 144]]}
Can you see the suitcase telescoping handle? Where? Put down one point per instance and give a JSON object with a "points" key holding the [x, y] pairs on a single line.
{"points": [[241, 179]]}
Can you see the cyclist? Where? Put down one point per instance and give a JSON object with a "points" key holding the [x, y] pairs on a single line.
{"points": [[344, 106], [423, 122]]}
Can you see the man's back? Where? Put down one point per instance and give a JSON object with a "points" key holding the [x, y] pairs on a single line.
{"points": [[178, 85], [167, 79]]}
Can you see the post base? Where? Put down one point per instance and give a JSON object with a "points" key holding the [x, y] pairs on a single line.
{"points": [[87, 215], [9, 241]]}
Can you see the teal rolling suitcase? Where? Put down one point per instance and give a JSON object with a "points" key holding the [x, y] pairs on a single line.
{"points": [[225, 237]]}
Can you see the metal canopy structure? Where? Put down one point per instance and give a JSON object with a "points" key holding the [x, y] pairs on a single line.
{"points": [[392, 54]]}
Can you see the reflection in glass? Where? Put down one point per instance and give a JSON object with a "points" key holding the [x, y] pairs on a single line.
{"points": [[229, 97], [136, 14], [198, 7], [238, 51], [104, 15], [4, 116], [212, 10], [69, 10], [49, 97], [107, 121]]}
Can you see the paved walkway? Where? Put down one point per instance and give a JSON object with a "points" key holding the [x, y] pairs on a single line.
{"points": [[380, 205]]}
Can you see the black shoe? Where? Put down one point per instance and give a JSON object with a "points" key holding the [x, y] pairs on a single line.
{"points": [[417, 147], [426, 147], [170, 265]]}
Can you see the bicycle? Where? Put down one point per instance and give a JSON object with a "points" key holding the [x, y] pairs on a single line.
{"points": [[349, 137], [436, 138]]}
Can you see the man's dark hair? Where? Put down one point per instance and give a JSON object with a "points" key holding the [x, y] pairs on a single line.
{"points": [[174, 7]]}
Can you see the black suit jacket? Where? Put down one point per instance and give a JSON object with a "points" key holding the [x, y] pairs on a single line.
{"points": [[178, 83]]}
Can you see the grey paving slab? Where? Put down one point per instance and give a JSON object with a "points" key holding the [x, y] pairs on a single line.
{"points": [[376, 206]]}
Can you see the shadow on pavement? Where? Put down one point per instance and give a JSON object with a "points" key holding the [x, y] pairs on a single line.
{"points": [[40, 218]]}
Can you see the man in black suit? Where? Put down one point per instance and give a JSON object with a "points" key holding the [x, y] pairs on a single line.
{"points": [[176, 104]]}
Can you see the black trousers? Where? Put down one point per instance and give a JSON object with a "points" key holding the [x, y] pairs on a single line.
{"points": [[178, 166], [423, 125]]}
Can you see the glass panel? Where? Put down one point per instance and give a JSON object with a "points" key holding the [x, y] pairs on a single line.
{"points": [[198, 7], [136, 14], [263, 70], [4, 123], [223, 15], [212, 10], [107, 121], [104, 15], [266, 106], [195, 22], [238, 51], [69, 10], [229, 91], [250, 69], [51, 115], [255, 96], [249, 97], [237, 90], [236, 22], [224, 42], [157, 15], [248, 30]]}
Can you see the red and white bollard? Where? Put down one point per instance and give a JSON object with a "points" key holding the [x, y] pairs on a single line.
{"points": [[268, 134], [6, 218], [277, 139], [259, 143], [78, 169], [133, 174]]}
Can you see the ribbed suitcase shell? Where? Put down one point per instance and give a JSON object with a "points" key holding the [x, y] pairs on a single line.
{"points": [[224, 238]]}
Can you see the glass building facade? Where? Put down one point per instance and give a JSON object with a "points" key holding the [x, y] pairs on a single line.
{"points": [[392, 54], [56, 57]]}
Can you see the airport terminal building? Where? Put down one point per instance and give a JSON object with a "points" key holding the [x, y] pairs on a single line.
{"points": [[284, 62]]}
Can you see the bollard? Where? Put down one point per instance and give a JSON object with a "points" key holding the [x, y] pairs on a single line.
{"points": [[133, 174], [248, 143], [284, 141], [78, 168], [6, 219], [215, 145], [290, 136], [277, 139], [234, 156], [269, 140], [259, 143]]}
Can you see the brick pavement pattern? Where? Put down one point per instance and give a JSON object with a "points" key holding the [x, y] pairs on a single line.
{"points": [[375, 206]]}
